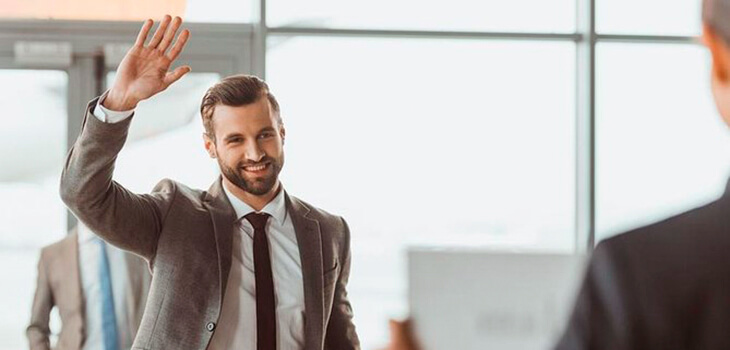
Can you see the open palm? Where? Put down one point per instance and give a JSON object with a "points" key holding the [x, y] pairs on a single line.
{"points": [[144, 71]]}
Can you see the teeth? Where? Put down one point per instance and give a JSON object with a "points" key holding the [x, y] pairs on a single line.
{"points": [[256, 167]]}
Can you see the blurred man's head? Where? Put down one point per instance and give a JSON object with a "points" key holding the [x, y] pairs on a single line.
{"points": [[716, 36], [244, 132]]}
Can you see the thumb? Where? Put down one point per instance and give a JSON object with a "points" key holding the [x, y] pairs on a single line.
{"points": [[175, 75]]}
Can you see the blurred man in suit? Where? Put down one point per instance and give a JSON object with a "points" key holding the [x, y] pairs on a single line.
{"points": [[243, 265], [666, 285], [99, 291]]}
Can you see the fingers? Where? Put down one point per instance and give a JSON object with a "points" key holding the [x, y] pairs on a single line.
{"points": [[142, 36], [159, 34], [179, 45], [398, 333], [175, 75], [401, 334], [169, 34]]}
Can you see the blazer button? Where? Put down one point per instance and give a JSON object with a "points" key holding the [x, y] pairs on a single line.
{"points": [[210, 326]]}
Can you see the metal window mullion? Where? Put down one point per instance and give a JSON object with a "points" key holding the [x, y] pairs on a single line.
{"points": [[426, 34], [585, 206], [83, 85], [646, 39], [260, 36]]}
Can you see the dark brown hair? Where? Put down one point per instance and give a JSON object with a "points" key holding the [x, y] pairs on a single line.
{"points": [[235, 91]]}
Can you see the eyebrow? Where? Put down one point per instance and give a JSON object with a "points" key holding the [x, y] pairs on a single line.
{"points": [[268, 128], [234, 135], [231, 136]]}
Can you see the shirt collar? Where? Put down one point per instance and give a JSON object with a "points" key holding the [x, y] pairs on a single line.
{"points": [[84, 233], [276, 207]]}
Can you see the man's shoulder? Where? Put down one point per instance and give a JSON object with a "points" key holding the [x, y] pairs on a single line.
{"points": [[58, 249], [317, 213], [688, 242], [172, 188], [708, 222]]}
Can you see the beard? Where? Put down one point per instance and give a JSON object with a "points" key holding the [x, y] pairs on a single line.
{"points": [[259, 185]]}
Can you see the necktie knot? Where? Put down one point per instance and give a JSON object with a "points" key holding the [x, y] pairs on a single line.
{"points": [[258, 221]]}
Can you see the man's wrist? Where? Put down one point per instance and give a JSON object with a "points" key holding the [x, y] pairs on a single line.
{"points": [[118, 102]]}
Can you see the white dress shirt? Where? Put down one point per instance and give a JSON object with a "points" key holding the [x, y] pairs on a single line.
{"points": [[108, 116], [89, 255], [236, 328]]}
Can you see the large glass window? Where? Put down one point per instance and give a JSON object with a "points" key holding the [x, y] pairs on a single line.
{"points": [[32, 149], [412, 153], [460, 15], [219, 11], [648, 17], [661, 145]]}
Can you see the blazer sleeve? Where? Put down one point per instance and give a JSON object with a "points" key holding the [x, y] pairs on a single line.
{"points": [[341, 334], [602, 316], [130, 221], [38, 331]]}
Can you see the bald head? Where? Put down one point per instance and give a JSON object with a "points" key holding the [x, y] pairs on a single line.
{"points": [[716, 14]]}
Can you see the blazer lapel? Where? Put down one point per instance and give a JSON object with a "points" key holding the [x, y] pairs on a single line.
{"points": [[223, 217], [310, 252]]}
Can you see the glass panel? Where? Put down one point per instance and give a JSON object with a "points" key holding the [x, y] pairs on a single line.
{"points": [[428, 142], [661, 146], [32, 151], [236, 11], [461, 15], [657, 17], [166, 140], [220, 11]]}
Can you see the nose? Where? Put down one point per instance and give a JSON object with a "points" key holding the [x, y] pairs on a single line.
{"points": [[253, 152]]}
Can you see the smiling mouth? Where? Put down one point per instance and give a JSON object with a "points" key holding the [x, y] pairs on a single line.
{"points": [[256, 168]]}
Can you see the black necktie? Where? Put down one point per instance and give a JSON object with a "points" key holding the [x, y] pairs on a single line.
{"points": [[265, 299]]}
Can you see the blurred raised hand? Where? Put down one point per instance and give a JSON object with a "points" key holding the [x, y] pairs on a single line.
{"points": [[401, 336]]}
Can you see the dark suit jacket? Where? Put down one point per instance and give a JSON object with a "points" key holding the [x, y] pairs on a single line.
{"points": [[663, 286], [59, 285], [186, 235]]}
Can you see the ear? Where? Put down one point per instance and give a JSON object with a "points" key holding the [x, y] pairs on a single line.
{"points": [[282, 133], [720, 53], [209, 145]]}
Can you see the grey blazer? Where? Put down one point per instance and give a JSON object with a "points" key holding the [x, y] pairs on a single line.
{"points": [[59, 285], [663, 286], [186, 236]]}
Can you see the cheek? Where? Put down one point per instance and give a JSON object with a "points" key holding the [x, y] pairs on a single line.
{"points": [[228, 157], [273, 148]]}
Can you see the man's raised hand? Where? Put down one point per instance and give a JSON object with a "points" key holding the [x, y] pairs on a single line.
{"points": [[144, 71]]}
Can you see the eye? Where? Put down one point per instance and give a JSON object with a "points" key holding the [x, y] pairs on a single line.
{"points": [[235, 140], [266, 135]]}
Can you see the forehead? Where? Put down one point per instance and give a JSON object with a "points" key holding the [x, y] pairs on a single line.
{"points": [[243, 119]]}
